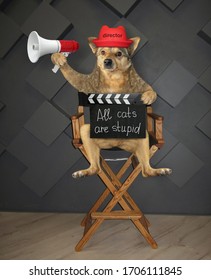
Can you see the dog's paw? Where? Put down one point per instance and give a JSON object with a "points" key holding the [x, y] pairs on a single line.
{"points": [[156, 172], [164, 171], [58, 59], [86, 172], [78, 174], [148, 97]]}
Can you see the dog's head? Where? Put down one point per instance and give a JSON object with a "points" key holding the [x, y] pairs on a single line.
{"points": [[113, 58]]}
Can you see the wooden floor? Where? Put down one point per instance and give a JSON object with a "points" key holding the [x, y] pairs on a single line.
{"points": [[54, 236]]}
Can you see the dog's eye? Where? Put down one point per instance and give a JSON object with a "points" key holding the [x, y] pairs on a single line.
{"points": [[119, 54], [103, 52]]}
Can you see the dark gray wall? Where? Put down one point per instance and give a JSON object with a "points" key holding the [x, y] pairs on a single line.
{"points": [[36, 155]]}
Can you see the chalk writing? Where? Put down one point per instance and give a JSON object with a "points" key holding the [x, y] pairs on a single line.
{"points": [[118, 121], [103, 115]]}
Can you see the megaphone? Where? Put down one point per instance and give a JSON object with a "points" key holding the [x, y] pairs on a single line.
{"points": [[38, 46]]}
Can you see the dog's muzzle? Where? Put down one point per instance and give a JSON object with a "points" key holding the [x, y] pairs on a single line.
{"points": [[108, 63]]}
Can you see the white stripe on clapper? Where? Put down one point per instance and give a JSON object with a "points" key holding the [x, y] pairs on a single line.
{"points": [[125, 99], [90, 98], [108, 100], [99, 98], [116, 98]]}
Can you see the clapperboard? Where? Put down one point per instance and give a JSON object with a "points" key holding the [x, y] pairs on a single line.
{"points": [[116, 115]]}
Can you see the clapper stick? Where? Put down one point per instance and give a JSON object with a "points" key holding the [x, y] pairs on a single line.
{"points": [[111, 98]]}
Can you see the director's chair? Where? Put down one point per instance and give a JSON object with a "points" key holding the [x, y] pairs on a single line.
{"points": [[94, 218]]}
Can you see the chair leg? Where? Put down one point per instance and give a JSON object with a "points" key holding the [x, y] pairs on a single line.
{"points": [[88, 223], [88, 234], [121, 197], [145, 234], [96, 206], [116, 181], [118, 198]]}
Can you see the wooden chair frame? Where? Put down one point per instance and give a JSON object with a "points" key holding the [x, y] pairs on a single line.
{"points": [[94, 218]]}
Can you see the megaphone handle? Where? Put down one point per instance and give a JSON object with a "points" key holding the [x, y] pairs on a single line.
{"points": [[56, 67]]}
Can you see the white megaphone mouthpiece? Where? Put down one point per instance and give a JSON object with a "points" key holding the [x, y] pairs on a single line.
{"points": [[38, 46]]}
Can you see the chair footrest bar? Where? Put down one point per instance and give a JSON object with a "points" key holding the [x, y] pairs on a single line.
{"points": [[117, 215]]}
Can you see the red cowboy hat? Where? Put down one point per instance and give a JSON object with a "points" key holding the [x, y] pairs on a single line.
{"points": [[112, 37]]}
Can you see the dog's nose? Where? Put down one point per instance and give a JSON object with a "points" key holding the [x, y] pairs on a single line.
{"points": [[108, 62]]}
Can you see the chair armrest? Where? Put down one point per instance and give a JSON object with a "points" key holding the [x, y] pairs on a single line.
{"points": [[77, 122], [77, 116], [155, 128], [155, 116]]}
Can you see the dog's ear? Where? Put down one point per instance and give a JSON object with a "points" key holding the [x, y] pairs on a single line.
{"points": [[134, 45], [92, 45]]}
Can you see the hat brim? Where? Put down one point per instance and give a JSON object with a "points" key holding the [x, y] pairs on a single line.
{"points": [[118, 44]]}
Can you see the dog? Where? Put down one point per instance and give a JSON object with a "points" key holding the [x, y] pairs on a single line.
{"points": [[113, 73]]}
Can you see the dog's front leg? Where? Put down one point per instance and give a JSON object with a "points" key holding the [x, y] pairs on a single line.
{"points": [[142, 153], [93, 153], [77, 80]]}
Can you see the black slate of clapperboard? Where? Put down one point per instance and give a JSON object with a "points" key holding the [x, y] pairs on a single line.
{"points": [[118, 121]]}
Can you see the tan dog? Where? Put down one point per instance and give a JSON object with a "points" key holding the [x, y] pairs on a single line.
{"points": [[114, 73]]}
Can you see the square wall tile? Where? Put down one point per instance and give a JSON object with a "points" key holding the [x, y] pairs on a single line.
{"points": [[2, 149], [132, 31], [47, 21], [172, 5], [55, 162], [2, 106], [47, 123], [10, 33], [205, 32], [67, 99], [204, 124], [169, 142], [183, 163], [44, 80], [174, 83], [205, 79], [121, 8]]}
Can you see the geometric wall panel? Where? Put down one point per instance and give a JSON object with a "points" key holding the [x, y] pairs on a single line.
{"points": [[183, 163], [3, 4], [67, 99], [2, 105], [36, 154], [56, 161], [170, 142], [174, 34], [47, 22], [44, 80], [205, 124], [2, 148], [172, 5], [174, 83], [182, 120], [121, 8], [47, 123], [26, 148], [9, 35], [45, 164], [132, 31], [205, 79], [205, 32]]}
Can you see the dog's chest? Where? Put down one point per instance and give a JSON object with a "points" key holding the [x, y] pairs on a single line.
{"points": [[116, 83], [114, 86]]}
